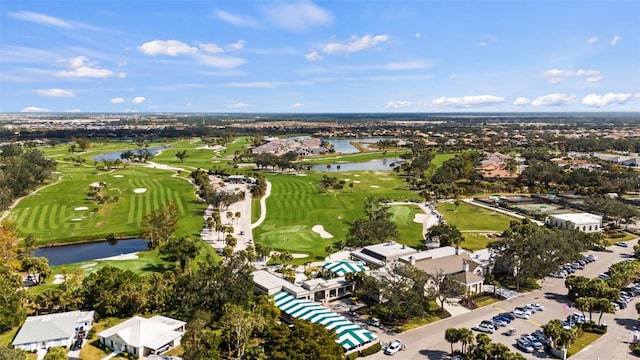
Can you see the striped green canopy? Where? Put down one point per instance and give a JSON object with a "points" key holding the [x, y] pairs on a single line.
{"points": [[340, 268], [349, 334]]}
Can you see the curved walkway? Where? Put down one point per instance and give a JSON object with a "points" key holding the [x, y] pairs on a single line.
{"points": [[263, 207]]}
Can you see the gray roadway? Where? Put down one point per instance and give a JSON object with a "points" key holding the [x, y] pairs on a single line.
{"points": [[428, 342]]}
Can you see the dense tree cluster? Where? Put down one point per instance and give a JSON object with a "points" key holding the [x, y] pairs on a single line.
{"points": [[479, 347], [377, 227], [21, 170]]}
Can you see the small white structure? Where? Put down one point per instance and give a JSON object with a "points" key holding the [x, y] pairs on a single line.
{"points": [[45, 331], [381, 254], [142, 337], [585, 222]]}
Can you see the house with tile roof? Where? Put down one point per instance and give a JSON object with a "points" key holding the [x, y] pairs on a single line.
{"points": [[142, 337]]}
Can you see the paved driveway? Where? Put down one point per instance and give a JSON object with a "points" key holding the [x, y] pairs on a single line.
{"points": [[428, 341]]}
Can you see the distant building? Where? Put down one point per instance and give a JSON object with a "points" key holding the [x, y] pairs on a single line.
{"points": [[585, 222], [45, 331]]}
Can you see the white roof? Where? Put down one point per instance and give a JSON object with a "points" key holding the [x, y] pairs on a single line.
{"points": [[434, 253], [272, 283], [390, 249], [579, 218], [51, 326], [139, 332]]}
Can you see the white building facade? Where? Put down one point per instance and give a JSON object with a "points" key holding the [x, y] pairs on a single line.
{"points": [[584, 222]]}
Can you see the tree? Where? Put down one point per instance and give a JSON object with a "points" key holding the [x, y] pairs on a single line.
{"points": [[11, 296], [238, 326], [38, 267], [305, 340], [452, 336], [329, 250], [237, 216], [444, 286], [7, 353], [83, 143], [56, 353], [28, 245], [263, 251], [159, 224], [9, 245], [375, 228], [552, 330], [603, 306], [181, 155], [199, 342], [445, 234], [466, 338], [181, 249]]}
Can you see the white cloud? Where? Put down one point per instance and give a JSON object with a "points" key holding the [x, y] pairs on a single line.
{"points": [[238, 45], [82, 67], [122, 75], [41, 19], [587, 72], [592, 40], [166, 47], [220, 61], [354, 44], [418, 34], [408, 65], [297, 105], [595, 100], [298, 16], [117, 100], [34, 109], [453, 77], [594, 79], [55, 93], [397, 104], [481, 44], [554, 100], [556, 76], [313, 56], [239, 105], [521, 101], [615, 40], [468, 101], [210, 48], [73, 110], [138, 99], [265, 84], [236, 20]]}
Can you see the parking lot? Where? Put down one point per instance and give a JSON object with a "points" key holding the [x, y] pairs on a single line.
{"points": [[428, 341]]}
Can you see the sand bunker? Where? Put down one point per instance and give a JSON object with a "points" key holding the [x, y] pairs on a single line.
{"points": [[299, 256], [58, 279], [88, 265], [130, 256], [118, 176], [76, 219], [95, 185], [356, 175], [420, 218], [319, 229], [80, 208], [356, 181], [140, 190], [375, 186]]}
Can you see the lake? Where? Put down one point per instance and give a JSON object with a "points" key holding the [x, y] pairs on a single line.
{"points": [[72, 253], [379, 165], [116, 155], [344, 146]]}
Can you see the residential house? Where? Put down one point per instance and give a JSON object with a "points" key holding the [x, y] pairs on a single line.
{"points": [[60, 329], [141, 337]]}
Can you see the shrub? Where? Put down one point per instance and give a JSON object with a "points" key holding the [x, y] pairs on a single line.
{"points": [[594, 328], [370, 350], [352, 356], [91, 334]]}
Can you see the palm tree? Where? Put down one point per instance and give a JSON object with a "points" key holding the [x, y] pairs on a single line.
{"points": [[553, 330], [451, 335], [230, 216], [466, 338], [237, 216]]}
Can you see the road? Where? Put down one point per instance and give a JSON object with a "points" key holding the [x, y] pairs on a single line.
{"points": [[428, 342]]}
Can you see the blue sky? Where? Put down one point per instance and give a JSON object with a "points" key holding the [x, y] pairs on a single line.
{"points": [[323, 56]]}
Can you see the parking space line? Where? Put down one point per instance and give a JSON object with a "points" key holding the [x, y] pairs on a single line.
{"points": [[534, 323]]}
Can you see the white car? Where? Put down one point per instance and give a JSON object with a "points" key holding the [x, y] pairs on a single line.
{"points": [[520, 314], [484, 328], [393, 348], [538, 307], [604, 276]]}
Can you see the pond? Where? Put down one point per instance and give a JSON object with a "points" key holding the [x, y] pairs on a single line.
{"points": [[66, 254], [116, 155], [378, 165], [344, 146]]}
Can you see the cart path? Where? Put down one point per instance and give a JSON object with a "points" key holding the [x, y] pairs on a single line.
{"points": [[17, 201], [263, 206]]}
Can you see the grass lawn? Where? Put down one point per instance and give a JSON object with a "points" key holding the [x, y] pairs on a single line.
{"points": [[582, 342], [476, 240], [91, 351], [296, 205], [410, 231], [628, 236], [56, 214], [469, 217], [7, 338], [357, 157], [485, 300]]}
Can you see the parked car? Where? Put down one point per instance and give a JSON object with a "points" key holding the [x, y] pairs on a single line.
{"points": [[538, 307], [622, 244], [393, 348], [523, 309], [484, 327], [533, 341], [374, 322], [503, 318], [524, 345], [520, 314], [498, 322], [604, 276], [509, 315], [530, 309]]}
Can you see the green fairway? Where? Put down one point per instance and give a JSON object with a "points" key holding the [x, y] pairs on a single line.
{"points": [[63, 212], [296, 205], [410, 231]]}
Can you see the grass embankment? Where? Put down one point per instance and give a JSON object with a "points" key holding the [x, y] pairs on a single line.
{"points": [[474, 222], [582, 342], [627, 237], [63, 213], [296, 205]]}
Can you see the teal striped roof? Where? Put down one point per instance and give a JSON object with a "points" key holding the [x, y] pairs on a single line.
{"points": [[343, 267], [349, 334]]}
